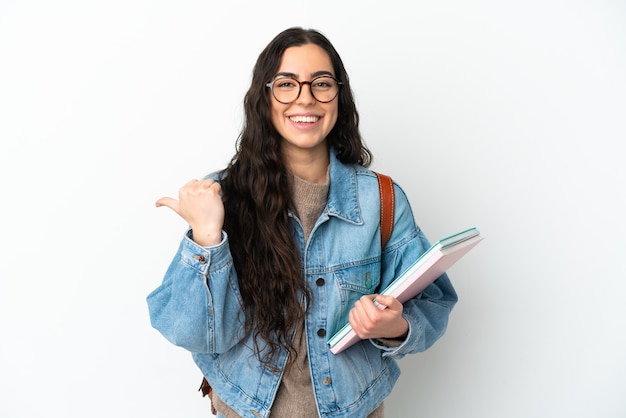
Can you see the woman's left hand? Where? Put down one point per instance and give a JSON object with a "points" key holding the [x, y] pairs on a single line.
{"points": [[369, 321]]}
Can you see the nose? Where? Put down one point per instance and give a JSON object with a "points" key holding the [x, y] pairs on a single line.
{"points": [[306, 95]]}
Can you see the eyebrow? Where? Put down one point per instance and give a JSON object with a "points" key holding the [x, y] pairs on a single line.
{"points": [[294, 76]]}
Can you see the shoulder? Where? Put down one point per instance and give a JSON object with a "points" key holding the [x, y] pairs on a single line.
{"points": [[402, 211], [365, 177], [370, 189], [215, 175], [368, 178]]}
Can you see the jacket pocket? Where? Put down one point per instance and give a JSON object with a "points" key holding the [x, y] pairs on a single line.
{"points": [[357, 280]]}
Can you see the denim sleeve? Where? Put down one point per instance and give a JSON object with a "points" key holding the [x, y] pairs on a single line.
{"points": [[428, 312], [199, 299]]}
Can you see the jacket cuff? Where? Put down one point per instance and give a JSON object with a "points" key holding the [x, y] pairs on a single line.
{"points": [[393, 347], [205, 258]]}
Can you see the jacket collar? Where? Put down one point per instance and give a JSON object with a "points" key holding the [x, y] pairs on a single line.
{"points": [[343, 201]]}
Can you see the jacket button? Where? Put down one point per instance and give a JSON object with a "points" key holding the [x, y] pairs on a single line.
{"points": [[321, 332], [327, 381], [320, 282]]}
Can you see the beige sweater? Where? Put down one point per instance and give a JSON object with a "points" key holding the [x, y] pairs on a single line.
{"points": [[295, 398]]}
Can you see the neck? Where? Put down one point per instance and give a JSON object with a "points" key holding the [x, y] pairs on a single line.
{"points": [[309, 166]]}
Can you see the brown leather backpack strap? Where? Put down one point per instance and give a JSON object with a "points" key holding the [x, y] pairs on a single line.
{"points": [[207, 390], [387, 204]]}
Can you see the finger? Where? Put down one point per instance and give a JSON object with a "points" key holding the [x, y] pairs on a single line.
{"points": [[366, 310], [368, 302], [199, 186], [208, 183], [387, 301], [204, 184], [211, 186], [216, 186], [355, 323], [360, 318], [169, 202]]}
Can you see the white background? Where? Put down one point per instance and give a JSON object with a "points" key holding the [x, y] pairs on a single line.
{"points": [[505, 115]]}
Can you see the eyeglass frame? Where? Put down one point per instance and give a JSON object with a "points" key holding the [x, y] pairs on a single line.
{"points": [[270, 85]]}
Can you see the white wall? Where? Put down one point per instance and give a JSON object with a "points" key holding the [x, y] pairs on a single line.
{"points": [[508, 116]]}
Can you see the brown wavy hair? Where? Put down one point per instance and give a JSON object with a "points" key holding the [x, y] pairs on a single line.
{"points": [[257, 201]]}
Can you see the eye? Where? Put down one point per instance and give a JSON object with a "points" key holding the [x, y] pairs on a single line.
{"points": [[285, 83], [323, 83]]}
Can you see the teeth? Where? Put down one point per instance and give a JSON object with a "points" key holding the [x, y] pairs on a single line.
{"points": [[305, 119]]}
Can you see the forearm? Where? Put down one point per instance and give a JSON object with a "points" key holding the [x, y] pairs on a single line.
{"points": [[427, 315], [198, 299]]}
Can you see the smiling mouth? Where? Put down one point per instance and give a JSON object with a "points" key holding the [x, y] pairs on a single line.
{"points": [[304, 119]]}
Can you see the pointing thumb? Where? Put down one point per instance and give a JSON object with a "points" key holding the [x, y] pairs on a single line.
{"points": [[169, 202]]}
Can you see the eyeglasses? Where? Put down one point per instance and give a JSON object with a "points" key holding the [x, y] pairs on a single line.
{"points": [[286, 90]]}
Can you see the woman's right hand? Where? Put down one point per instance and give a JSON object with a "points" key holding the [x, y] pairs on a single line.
{"points": [[200, 205]]}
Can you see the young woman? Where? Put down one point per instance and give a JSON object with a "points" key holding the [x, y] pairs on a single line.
{"points": [[283, 247]]}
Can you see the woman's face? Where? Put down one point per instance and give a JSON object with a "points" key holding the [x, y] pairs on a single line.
{"points": [[304, 123]]}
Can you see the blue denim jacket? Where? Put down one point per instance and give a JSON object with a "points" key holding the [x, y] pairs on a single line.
{"points": [[198, 304]]}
